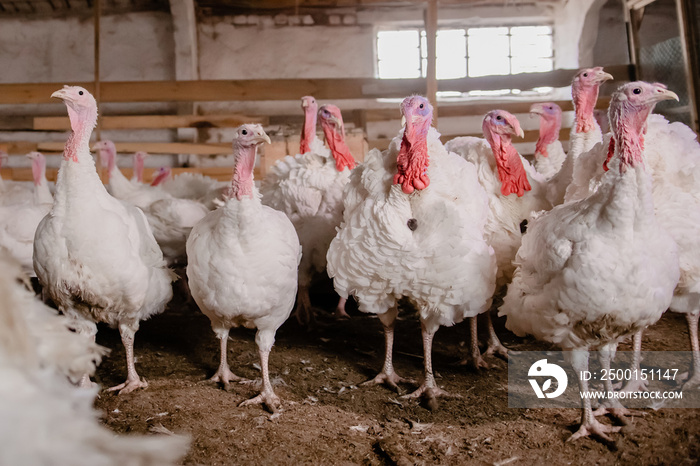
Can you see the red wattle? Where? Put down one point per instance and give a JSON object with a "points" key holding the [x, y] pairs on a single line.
{"points": [[611, 152]]}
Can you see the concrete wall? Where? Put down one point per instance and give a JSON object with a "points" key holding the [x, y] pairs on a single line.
{"points": [[137, 46]]}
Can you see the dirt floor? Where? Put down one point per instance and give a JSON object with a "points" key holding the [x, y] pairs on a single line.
{"points": [[328, 419]]}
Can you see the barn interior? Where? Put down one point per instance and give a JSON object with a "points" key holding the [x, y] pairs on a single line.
{"points": [[176, 78]]}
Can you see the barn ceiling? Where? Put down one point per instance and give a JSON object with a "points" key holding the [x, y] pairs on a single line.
{"points": [[45, 8]]}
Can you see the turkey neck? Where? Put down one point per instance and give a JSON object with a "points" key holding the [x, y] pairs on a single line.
{"points": [[242, 180], [42, 194], [138, 168], [308, 131], [77, 172], [511, 171], [549, 132], [340, 150], [584, 104]]}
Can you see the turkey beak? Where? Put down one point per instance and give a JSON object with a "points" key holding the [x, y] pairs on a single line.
{"points": [[661, 93], [537, 109], [262, 137], [60, 94], [335, 121], [602, 76]]}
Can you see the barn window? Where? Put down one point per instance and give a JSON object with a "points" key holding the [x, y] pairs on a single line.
{"points": [[472, 52]]}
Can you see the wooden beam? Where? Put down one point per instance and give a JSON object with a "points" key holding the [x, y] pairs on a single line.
{"points": [[97, 87], [154, 122], [431, 85], [289, 89], [374, 115], [22, 147]]}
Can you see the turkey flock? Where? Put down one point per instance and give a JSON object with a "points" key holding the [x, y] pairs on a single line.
{"points": [[580, 249]]}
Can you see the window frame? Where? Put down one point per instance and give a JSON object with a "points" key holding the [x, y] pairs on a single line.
{"points": [[421, 41]]}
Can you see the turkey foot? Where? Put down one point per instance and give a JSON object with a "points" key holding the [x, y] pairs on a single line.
{"points": [[224, 376], [617, 411], [497, 349], [495, 346], [593, 427], [129, 386], [391, 379], [430, 395], [267, 398]]}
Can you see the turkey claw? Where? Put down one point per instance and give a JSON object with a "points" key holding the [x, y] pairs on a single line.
{"points": [[498, 350], [269, 399], [392, 380], [129, 386], [594, 428], [430, 395]]}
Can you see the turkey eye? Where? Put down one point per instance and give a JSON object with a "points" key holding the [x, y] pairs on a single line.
{"points": [[421, 105], [499, 117], [80, 92], [637, 90], [244, 132], [585, 75]]}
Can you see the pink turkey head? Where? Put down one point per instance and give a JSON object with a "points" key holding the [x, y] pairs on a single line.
{"points": [[81, 105], [162, 174], [334, 131], [499, 127], [38, 166], [308, 131], [584, 91], [630, 107], [501, 124], [550, 124], [248, 138], [107, 153]]}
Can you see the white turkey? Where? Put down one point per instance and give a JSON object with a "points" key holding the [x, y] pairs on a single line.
{"points": [[138, 194], [13, 192], [514, 189], [549, 153], [242, 263], [594, 271], [413, 227], [309, 189], [46, 419], [585, 132], [18, 222], [196, 187], [94, 255], [170, 218], [672, 156]]}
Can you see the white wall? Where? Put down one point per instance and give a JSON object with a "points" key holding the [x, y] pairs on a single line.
{"points": [[140, 46], [137, 46]]}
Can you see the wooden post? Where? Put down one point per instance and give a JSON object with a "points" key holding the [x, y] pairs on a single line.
{"points": [[431, 19], [98, 13], [689, 34]]}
